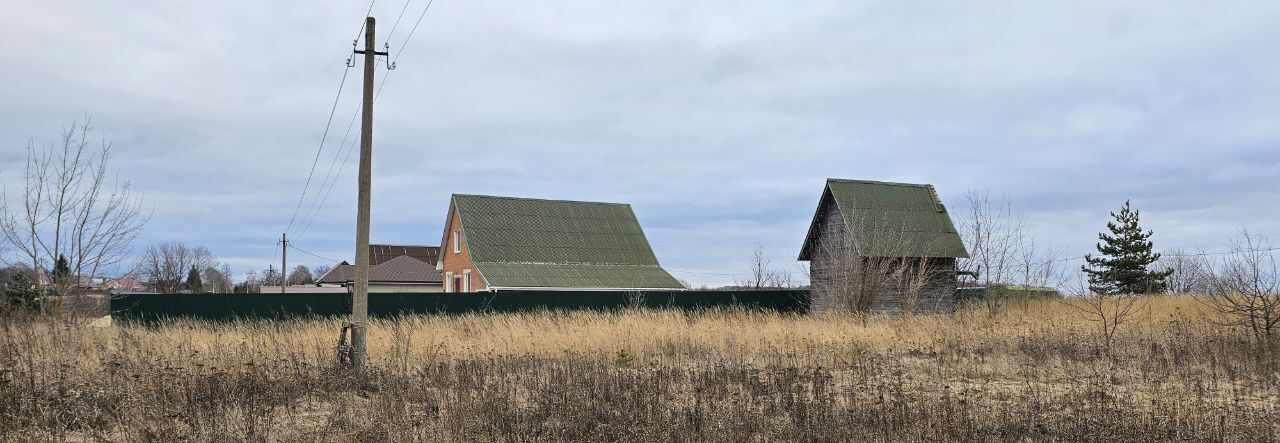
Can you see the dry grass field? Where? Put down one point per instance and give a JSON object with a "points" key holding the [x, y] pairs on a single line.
{"points": [[1033, 372]]}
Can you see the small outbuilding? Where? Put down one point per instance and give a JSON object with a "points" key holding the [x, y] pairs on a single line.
{"points": [[496, 243], [881, 247]]}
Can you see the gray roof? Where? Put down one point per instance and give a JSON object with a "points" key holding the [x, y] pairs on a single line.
{"points": [[404, 269], [341, 273], [392, 264]]}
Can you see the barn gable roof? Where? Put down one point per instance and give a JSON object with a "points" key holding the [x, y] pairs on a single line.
{"points": [[524, 243], [900, 219]]}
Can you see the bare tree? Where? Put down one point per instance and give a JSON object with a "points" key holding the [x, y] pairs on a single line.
{"points": [[165, 264], [1192, 271], [993, 235], [301, 275], [251, 284], [1004, 251], [70, 209], [218, 279], [761, 275], [321, 270], [1246, 288], [1038, 267]]}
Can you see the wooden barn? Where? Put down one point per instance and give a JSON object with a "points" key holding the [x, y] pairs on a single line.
{"points": [[882, 247]]}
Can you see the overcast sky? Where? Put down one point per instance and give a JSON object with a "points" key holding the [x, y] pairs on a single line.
{"points": [[717, 121]]}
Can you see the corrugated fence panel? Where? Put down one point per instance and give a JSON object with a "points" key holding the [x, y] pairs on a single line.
{"points": [[148, 308]]}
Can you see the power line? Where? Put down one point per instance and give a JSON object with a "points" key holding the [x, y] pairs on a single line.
{"points": [[319, 149], [320, 205], [1165, 254], [304, 251], [274, 255], [397, 23], [341, 167], [361, 31], [404, 44], [317, 204], [329, 122]]}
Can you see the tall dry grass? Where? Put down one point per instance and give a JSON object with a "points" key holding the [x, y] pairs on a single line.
{"points": [[1037, 370]]}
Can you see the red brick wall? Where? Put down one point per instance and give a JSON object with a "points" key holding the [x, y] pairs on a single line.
{"points": [[458, 262]]}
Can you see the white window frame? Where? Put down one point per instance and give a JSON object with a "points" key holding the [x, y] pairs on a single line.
{"points": [[466, 280], [448, 282], [457, 244]]}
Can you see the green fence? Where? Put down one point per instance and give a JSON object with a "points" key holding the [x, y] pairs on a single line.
{"points": [[152, 307]]}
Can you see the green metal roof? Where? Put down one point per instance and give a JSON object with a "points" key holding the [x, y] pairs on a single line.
{"points": [[899, 219], [521, 242]]}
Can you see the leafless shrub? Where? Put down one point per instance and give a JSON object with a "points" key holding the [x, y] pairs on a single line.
{"points": [[876, 270], [1107, 311], [1246, 288], [635, 300]]}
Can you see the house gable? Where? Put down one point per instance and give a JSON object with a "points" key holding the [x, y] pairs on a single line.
{"points": [[455, 256]]}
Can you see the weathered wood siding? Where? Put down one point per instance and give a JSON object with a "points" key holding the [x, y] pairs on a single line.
{"points": [[936, 295], [831, 245], [830, 236]]}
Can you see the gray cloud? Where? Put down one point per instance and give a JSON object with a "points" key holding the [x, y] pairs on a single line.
{"points": [[717, 121]]}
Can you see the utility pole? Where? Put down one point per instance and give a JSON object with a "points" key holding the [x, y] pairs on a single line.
{"points": [[360, 295], [284, 253]]}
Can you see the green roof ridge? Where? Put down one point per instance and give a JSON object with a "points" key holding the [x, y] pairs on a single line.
{"points": [[539, 199]]}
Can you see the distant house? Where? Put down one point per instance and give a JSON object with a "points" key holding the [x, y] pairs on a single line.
{"points": [[127, 283], [392, 268], [496, 243], [882, 247]]}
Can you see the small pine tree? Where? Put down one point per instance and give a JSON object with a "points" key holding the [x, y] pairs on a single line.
{"points": [[62, 271], [193, 281], [1126, 256]]}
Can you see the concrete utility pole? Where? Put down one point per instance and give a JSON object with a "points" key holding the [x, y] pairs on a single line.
{"points": [[284, 253], [360, 295]]}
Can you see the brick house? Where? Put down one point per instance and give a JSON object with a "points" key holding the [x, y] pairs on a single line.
{"points": [[495, 243], [881, 247]]}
